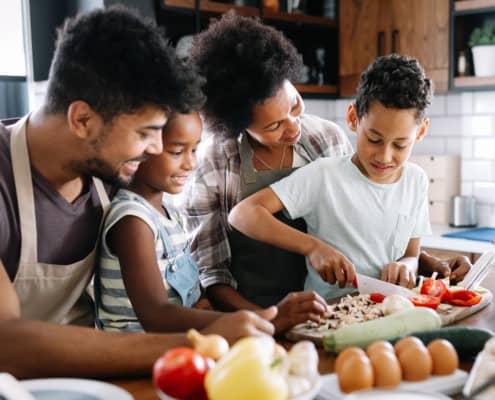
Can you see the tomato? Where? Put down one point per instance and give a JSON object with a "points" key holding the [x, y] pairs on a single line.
{"points": [[377, 297], [180, 373], [424, 300], [464, 298], [435, 288]]}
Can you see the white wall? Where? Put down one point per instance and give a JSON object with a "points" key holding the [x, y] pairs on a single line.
{"points": [[461, 123]]}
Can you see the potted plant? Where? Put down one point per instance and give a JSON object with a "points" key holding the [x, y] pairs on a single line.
{"points": [[482, 43]]}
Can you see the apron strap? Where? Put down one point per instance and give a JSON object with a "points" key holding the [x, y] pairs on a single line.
{"points": [[23, 181]]}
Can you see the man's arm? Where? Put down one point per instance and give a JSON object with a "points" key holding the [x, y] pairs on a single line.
{"points": [[9, 302]]}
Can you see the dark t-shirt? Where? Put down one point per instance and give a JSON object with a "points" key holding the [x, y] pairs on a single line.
{"points": [[67, 232]]}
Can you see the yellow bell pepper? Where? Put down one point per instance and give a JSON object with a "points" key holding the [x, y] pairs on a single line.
{"points": [[248, 371]]}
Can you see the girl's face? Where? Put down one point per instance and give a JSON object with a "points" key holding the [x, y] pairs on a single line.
{"points": [[277, 122], [170, 170]]}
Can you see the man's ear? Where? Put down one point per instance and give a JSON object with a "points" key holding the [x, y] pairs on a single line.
{"points": [[351, 117], [82, 119], [422, 130]]}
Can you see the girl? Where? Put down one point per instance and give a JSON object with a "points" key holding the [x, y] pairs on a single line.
{"points": [[147, 278]]}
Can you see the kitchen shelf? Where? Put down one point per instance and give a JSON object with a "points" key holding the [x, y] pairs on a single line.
{"points": [[213, 7], [317, 89], [474, 81], [299, 18], [473, 5]]}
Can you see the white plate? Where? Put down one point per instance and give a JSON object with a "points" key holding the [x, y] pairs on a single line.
{"points": [[74, 389], [450, 384]]}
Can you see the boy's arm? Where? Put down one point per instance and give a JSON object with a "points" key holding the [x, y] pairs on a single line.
{"points": [[403, 271], [254, 217], [455, 268]]}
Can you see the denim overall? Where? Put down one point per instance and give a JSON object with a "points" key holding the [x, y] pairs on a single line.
{"points": [[265, 274]]}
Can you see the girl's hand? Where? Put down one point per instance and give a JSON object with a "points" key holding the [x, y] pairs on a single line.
{"points": [[236, 325], [331, 264], [299, 307], [400, 274]]}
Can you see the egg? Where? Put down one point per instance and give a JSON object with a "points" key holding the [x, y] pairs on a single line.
{"points": [[415, 362], [355, 373], [407, 342], [349, 352], [379, 346], [444, 357], [386, 369]]}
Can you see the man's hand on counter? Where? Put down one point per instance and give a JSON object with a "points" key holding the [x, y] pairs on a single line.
{"points": [[455, 268]]}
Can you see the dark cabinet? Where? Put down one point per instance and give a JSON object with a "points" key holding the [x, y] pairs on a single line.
{"points": [[370, 28]]}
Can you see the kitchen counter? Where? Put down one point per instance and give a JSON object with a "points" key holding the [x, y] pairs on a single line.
{"points": [[437, 241]]}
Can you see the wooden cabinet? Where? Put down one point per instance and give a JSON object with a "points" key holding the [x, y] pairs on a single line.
{"points": [[370, 28], [309, 33]]}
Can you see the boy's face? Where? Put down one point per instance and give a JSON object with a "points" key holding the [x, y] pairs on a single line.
{"points": [[385, 138], [116, 148], [170, 170]]}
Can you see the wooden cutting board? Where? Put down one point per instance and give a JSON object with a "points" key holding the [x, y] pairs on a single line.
{"points": [[300, 332]]}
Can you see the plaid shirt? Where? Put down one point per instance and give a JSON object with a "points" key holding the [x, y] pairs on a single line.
{"points": [[215, 190]]}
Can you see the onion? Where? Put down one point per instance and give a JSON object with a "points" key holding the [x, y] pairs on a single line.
{"points": [[213, 346]]}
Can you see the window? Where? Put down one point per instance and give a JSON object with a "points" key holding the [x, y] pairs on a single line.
{"points": [[12, 59]]}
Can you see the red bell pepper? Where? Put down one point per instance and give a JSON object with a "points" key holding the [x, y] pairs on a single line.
{"points": [[424, 300], [435, 288], [464, 298]]}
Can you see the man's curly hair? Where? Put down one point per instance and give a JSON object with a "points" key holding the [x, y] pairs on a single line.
{"points": [[119, 62], [396, 82], [244, 63]]}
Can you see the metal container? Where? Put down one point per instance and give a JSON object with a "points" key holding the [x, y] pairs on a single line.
{"points": [[463, 212]]}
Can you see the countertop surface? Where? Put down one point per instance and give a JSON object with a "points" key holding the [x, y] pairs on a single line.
{"points": [[437, 241]]}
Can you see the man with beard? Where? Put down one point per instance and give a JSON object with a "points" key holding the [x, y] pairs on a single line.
{"points": [[114, 81]]}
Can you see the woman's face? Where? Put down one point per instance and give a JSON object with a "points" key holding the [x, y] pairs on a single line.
{"points": [[277, 122]]}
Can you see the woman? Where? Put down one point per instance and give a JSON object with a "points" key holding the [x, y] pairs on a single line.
{"points": [[260, 134]]}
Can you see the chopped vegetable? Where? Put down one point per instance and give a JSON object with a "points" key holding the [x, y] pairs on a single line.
{"points": [[401, 323], [377, 297], [435, 288], [424, 300], [395, 303], [464, 298]]}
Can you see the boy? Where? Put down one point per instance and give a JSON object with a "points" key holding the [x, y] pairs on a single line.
{"points": [[366, 211]]}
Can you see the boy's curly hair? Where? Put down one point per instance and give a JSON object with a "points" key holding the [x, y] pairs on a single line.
{"points": [[244, 63], [119, 62], [396, 82]]}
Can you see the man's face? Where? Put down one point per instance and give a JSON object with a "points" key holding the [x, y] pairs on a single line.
{"points": [[385, 138], [122, 144]]}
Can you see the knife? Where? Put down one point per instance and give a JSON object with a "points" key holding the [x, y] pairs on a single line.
{"points": [[368, 285]]}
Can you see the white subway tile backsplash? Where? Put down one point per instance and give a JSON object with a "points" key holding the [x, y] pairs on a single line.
{"points": [[430, 145], [486, 215], [484, 149], [438, 106], [477, 125], [483, 102], [484, 192], [462, 147], [445, 126], [458, 104], [341, 107], [467, 188], [476, 171], [317, 107]]}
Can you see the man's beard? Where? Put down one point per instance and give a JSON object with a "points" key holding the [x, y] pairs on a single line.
{"points": [[102, 170]]}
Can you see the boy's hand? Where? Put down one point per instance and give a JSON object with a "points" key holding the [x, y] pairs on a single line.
{"points": [[331, 264], [400, 274], [236, 325], [299, 307], [455, 268]]}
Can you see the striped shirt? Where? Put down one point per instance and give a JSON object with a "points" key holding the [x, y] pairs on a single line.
{"points": [[115, 311], [215, 190]]}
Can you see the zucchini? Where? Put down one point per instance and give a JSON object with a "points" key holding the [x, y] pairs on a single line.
{"points": [[467, 341], [397, 324]]}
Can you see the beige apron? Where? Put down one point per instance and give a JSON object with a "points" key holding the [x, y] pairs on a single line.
{"points": [[47, 292]]}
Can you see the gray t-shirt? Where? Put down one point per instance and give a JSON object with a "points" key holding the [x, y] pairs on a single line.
{"points": [[67, 232]]}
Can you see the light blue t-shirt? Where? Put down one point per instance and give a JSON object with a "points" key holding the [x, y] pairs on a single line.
{"points": [[370, 223]]}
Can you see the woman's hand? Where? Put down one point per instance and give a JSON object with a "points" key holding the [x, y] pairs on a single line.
{"points": [[331, 264], [399, 273], [299, 307], [236, 325]]}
